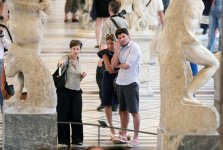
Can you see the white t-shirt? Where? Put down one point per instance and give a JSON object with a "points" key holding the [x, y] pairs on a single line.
{"points": [[4, 43], [152, 11]]}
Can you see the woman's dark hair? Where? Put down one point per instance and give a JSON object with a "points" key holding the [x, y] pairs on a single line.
{"points": [[114, 6], [120, 31], [75, 43]]}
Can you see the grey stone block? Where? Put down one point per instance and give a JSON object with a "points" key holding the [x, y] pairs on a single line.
{"points": [[188, 142], [29, 131]]}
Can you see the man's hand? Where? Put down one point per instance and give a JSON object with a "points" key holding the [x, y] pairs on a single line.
{"points": [[117, 46]]}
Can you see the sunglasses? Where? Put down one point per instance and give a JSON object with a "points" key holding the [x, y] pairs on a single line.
{"points": [[110, 37]]}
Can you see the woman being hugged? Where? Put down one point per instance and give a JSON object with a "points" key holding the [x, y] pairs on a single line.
{"points": [[69, 98], [108, 94]]}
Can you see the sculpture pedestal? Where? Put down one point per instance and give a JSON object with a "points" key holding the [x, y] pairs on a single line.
{"points": [[167, 141], [27, 130]]}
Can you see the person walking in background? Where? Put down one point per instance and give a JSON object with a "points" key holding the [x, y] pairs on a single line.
{"points": [[1, 9], [4, 45], [108, 94], [206, 12], [166, 4], [127, 57], [71, 6], [69, 98], [214, 24], [113, 23], [154, 17], [102, 15]]}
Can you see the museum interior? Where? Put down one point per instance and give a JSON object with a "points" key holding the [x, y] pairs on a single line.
{"points": [[176, 94]]}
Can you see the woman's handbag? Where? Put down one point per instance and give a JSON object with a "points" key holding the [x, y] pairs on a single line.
{"points": [[60, 80], [9, 89]]}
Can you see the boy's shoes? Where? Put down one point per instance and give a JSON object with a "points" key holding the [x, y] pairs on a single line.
{"points": [[100, 107], [133, 143], [113, 136]]}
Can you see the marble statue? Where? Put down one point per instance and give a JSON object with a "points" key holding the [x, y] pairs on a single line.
{"points": [[217, 84], [23, 56], [192, 50], [178, 45], [135, 15]]}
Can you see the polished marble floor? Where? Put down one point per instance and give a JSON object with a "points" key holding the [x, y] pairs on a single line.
{"points": [[57, 35]]}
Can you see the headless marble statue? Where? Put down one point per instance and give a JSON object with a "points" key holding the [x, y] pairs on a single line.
{"points": [[177, 45], [193, 50], [23, 55]]}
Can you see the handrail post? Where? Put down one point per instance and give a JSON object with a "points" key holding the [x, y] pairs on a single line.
{"points": [[99, 136]]}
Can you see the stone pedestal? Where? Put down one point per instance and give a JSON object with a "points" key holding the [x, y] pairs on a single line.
{"points": [[29, 131], [167, 141]]}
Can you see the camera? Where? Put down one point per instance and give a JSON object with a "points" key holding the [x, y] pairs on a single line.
{"points": [[122, 13]]}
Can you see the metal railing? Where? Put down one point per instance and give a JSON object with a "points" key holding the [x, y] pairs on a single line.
{"points": [[102, 124]]}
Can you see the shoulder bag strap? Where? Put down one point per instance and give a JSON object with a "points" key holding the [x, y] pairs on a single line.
{"points": [[115, 23], [67, 62], [148, 3]]}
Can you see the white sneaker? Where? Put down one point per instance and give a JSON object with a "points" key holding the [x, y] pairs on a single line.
{"points": [[133, 143], [62, 146]]}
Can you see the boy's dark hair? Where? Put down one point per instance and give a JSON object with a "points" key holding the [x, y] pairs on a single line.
{"points": [[75, 43], [114, 6], [120, 31]]}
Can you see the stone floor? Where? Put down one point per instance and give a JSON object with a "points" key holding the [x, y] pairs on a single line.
{"points": [[57, 35]]}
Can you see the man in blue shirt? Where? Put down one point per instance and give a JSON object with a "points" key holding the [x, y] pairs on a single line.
{"points": [[127, 58]]}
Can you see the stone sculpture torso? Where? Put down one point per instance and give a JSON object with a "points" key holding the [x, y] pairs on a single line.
{"points": [[23, 56], [177, 45]]}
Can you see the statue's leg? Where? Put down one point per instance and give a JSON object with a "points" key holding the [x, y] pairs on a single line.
{"points": [[198, 54], [21, 85]]}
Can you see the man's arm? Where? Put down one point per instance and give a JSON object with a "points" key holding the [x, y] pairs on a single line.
{"points": [[3, 81], [123, 66]]}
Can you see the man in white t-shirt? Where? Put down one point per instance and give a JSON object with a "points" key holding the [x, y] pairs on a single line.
{"points": [[154, 17]]}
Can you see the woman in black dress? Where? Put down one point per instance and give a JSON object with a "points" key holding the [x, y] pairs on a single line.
{"points": [[102, 14], [108, 95]]}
